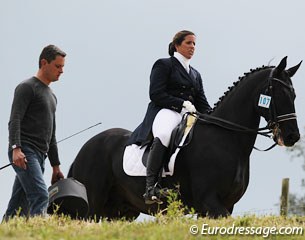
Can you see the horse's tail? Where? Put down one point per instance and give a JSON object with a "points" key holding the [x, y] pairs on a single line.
{"points": [[70, 170]]}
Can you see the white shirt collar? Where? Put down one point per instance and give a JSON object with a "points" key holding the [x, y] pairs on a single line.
{"points": [[183, 60]]}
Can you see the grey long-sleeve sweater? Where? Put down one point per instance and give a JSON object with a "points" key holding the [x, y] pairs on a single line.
{"points": [[32, 119]]}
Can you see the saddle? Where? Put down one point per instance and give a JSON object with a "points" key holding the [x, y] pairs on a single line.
{"points": [[185, 127]]}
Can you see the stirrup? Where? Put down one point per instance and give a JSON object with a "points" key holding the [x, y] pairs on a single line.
{"points": [[154, 194], [150, 196], [151, 200]]}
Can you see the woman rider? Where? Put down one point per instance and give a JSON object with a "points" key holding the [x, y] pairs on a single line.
{"points": [[175, 88]]}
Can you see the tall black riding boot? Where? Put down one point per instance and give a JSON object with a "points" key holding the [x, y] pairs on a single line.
{"points": [[154, 166]]}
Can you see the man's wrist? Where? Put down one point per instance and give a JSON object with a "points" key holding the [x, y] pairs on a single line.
{"points": [[56, 168], [15, 146]]}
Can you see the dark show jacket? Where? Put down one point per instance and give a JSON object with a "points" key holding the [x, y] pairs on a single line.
{"points": [[170, 86]]}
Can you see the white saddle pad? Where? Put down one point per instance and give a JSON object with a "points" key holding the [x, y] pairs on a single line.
{"points": [[132, 159]]}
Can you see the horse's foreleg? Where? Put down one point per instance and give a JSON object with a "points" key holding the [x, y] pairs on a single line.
{"points": [[212, 207], [231, 210]]}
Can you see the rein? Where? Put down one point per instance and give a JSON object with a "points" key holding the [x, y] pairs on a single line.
{"points": [[271, 127], [235, 127], [206, 118]]}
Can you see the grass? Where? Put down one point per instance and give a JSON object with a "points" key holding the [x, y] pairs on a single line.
{"points": [[61, 227], [172, 224]]}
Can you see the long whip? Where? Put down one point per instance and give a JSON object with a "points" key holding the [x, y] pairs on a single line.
{"points": [[62, 140]]}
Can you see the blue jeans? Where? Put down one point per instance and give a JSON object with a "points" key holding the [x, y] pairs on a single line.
{"points": [[30, 194]]}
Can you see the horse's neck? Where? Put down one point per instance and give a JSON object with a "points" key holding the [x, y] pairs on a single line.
{"points": [[238, 106], [239, 112]]}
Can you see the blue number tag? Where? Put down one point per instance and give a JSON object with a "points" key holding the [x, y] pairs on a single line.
{"points": [[264, 101]]}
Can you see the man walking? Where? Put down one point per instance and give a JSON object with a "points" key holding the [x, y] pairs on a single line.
{"points": [[32, 136]]}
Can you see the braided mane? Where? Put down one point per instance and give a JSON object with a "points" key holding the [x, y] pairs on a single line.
{"points": [[241, 78]]}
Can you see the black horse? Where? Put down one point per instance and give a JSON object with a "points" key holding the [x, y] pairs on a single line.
{"points": [[213, 169]]}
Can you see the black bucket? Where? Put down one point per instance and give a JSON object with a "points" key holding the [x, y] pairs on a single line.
{"points": [[69, 197]]}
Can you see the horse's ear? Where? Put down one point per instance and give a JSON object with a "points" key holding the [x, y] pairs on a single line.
{"points": [[291, 71], [281, 67]]}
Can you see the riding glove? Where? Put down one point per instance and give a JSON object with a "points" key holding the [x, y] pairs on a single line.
{"points": [[189, 106]]}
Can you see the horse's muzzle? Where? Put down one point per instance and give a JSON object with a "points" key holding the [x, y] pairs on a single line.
{"points": [[291, 139]]}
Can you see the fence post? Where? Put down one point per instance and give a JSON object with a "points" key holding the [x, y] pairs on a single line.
{"points": [[284, 197]]}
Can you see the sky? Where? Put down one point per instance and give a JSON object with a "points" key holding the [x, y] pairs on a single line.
{"points": [[111, 47]]}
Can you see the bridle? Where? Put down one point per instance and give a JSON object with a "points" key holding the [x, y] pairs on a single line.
{"points": [[271, 130], [274, 118]]}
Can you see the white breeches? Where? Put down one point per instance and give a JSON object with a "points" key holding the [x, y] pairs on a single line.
{"points": [[165, 122]]}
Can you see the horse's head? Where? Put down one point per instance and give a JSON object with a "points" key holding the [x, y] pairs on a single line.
{"points": [[276, 104]]}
